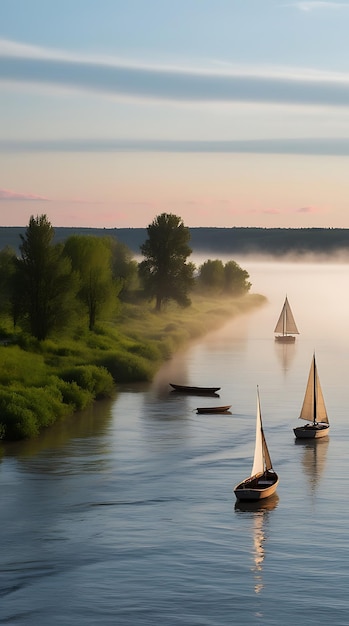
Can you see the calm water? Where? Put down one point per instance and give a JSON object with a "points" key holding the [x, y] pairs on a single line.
{"points": [[125, 515]]}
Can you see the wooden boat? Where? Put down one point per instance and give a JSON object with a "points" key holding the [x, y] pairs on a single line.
{"points": [[194, 390], [213, 409], [263, 480], [286, 326], [313, 409]]}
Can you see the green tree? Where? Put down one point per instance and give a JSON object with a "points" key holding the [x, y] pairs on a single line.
{"points": [[236, 279], [164, 273], [7, 270], [124, 267], [91, 258], [44, 283], [211, 275]]}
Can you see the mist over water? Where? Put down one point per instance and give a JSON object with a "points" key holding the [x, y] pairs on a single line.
{"points": [[126, 514]]}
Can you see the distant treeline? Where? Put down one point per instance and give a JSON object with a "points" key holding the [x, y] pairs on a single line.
{"points": [[276, 241]]}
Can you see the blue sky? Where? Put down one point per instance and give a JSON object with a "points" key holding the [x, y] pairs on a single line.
{"points": [[224, 112]]}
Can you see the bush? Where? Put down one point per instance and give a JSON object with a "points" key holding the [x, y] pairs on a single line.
{"points": [[75, 397], [25, 411], [127, 368], [96, 380]]}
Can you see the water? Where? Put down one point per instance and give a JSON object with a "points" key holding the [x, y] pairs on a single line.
{"points": [[125, 514]]}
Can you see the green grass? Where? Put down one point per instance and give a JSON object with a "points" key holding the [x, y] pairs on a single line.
{"points": [[41, 382]]}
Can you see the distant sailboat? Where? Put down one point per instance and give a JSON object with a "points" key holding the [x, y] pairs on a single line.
{"points": [[286, 326], [263, 480], [313, 409]]}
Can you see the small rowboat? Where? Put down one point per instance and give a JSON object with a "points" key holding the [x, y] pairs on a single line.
{"points": [[195, 390], [213, 409]]}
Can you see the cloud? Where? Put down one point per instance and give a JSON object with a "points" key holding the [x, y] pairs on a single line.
{"points": [[8, 194], [313, 5], [319, 146], [27, 65], [308, 209]]}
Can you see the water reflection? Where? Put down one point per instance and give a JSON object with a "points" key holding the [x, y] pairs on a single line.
{"points": [[285, 354], [313, 459], [259, 511], [73, 445]]}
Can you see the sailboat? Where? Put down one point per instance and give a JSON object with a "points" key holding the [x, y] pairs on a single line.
{"points": [[286, 326], [263, 480], [313, 409]]}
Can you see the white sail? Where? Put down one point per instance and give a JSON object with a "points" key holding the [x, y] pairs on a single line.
{"points": [[286, 323], [258, 461], [313, 409]]}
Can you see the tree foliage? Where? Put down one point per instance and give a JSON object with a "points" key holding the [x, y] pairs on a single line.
{"points": [[124, 267], [211, 275], [91, 258], [164, 273], [43, 283], [7, 270], [236, 280], [227, 278]]}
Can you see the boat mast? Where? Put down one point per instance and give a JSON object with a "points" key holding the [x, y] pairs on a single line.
{"points": [[314, 387]]}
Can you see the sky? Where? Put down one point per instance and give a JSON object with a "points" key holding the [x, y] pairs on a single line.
{"points": [[223, 112]]}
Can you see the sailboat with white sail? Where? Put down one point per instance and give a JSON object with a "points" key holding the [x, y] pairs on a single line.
{"points": [[286, 327], [263, 480], [313, 409]]}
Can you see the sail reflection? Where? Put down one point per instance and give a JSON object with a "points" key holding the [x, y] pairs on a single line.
{"points": [[285, 353], [314, 459], [259, 512]]}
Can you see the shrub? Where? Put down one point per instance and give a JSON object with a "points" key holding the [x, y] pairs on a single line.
{"points": [[75, 397], [126, 367], [17, 420], [96, 380]]}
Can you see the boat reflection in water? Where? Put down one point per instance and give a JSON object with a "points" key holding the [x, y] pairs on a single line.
{"points": [[314, 459], [259, 513], [285, 353]]}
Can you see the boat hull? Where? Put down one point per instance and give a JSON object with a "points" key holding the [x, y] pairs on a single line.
{"points": [[256, 488], [195, 390], [213, 409], [285, 339], [311, 432]]}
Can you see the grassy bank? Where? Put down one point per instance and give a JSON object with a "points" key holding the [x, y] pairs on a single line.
{"points": [[41, 382]]}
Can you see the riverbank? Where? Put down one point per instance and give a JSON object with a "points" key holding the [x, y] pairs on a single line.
{"points": [[41, 382]]}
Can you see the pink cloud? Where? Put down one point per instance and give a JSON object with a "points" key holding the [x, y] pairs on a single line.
{"points": [[308, 209], [8, 194]]}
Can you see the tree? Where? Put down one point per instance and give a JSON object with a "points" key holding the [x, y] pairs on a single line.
{"points": [[236, 279], [211, 275], [164, 272], [44, 284], [7, 270], [124, 267], [90, 256], [229, 278]]}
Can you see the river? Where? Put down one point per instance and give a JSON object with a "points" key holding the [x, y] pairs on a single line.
{"points": [[125, 515]]}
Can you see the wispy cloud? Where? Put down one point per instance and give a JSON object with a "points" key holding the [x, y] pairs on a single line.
{"points": [[308, 209], [23, 64], [9, 194], [313, 5], [322, 146]]}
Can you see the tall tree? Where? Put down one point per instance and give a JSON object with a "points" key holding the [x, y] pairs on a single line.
{"points": [[165, 274], [44, 282], [91, 257]]}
